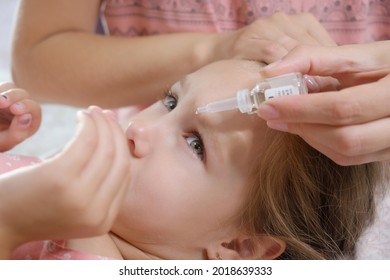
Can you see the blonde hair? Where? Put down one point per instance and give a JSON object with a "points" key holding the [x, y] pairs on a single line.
{"points": [[317, 207]]}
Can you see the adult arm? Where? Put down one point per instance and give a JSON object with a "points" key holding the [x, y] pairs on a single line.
{"points": [[58, 57]]}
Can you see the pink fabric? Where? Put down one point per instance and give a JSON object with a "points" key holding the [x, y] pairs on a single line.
{"points": [[51, 250], [348, 21], [9, 162]]}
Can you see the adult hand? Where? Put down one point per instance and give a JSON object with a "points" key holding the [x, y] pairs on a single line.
{"points": [[350, 126], [20, 116], [73, 195], [269, 39]]}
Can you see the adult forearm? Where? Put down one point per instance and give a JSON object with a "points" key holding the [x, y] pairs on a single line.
{"points": [[81, 69]]}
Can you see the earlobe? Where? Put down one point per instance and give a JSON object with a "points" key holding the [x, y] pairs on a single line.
{"points": [[248, 248]]}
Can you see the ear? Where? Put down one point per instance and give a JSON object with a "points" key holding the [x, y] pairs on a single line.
{"points": [[245, 247]]}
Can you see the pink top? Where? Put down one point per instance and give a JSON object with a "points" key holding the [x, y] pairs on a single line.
{"points": [[51, 250], [9, 162], [348, 21]]}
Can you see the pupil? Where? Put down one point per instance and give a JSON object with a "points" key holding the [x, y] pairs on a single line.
{"points": [[171, 105], [196, 147]]}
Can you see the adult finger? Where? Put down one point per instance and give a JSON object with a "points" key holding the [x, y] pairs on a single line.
{"points": [[302, 28], [353, 105], [314, 28], [333, 61], [341, 159], [347, 144]]}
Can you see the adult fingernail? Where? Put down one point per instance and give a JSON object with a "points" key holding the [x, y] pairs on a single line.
{"points": [[25, 120], [268, 112], [311, 83], [281, 126]]}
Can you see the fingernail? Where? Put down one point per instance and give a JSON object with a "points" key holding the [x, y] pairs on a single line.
{"points": [[311, 83], [3, 98], [281, 126], [82, 113], [25, 120], [18, 107], [111, 114], [268, 112], [94, 109]]}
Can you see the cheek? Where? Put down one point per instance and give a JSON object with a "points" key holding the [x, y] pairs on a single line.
{"points": [[171, 197], [159, 193]]}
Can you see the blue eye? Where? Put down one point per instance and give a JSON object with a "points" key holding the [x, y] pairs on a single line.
{"points": [[196, 144], [170, 101]]}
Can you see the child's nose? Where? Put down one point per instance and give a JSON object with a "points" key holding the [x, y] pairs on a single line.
{"points": [[138, 133]]}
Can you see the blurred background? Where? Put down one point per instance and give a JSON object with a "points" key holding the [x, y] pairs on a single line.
{"points": [[59, 122]]}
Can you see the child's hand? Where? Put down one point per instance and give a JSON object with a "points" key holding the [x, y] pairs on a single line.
{"points": [[76, 194], [20, 116]]}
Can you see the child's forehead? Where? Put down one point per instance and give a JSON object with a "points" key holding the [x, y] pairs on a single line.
{"points": [[242, 133], [228, 72], [218, 81], [236, 132]]}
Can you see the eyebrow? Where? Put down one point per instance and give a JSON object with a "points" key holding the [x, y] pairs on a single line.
{"points": [[183, 82], [208, 134]]}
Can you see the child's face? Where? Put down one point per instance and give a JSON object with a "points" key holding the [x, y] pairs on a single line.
{"points": [[186, 189]]}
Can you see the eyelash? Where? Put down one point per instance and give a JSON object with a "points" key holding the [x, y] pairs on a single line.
{"points": [[169, 94], [195, 134]]}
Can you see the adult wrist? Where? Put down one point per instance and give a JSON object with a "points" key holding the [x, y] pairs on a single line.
{"points": [[208, 49]]}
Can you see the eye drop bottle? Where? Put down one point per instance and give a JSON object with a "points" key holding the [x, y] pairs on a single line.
{"points": [[248, 101]]}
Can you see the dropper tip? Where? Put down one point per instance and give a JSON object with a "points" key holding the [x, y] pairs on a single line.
{"points": [[201, 110]]}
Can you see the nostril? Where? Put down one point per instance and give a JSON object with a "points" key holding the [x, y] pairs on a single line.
{"points": [[131, 147]]}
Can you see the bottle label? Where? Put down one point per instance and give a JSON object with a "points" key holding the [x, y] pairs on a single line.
{"points": [[281, 91]]}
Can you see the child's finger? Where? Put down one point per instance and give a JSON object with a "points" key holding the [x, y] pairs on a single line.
{"points": [[20, 128], [12, 96], [102, 160], [79, 151], [28, 107], [118, 175], [6, 86], [7, 141]]}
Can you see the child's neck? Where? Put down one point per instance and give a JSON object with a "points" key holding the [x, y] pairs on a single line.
{"points": [[108, 245], [101, 245], [129, 251]]}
